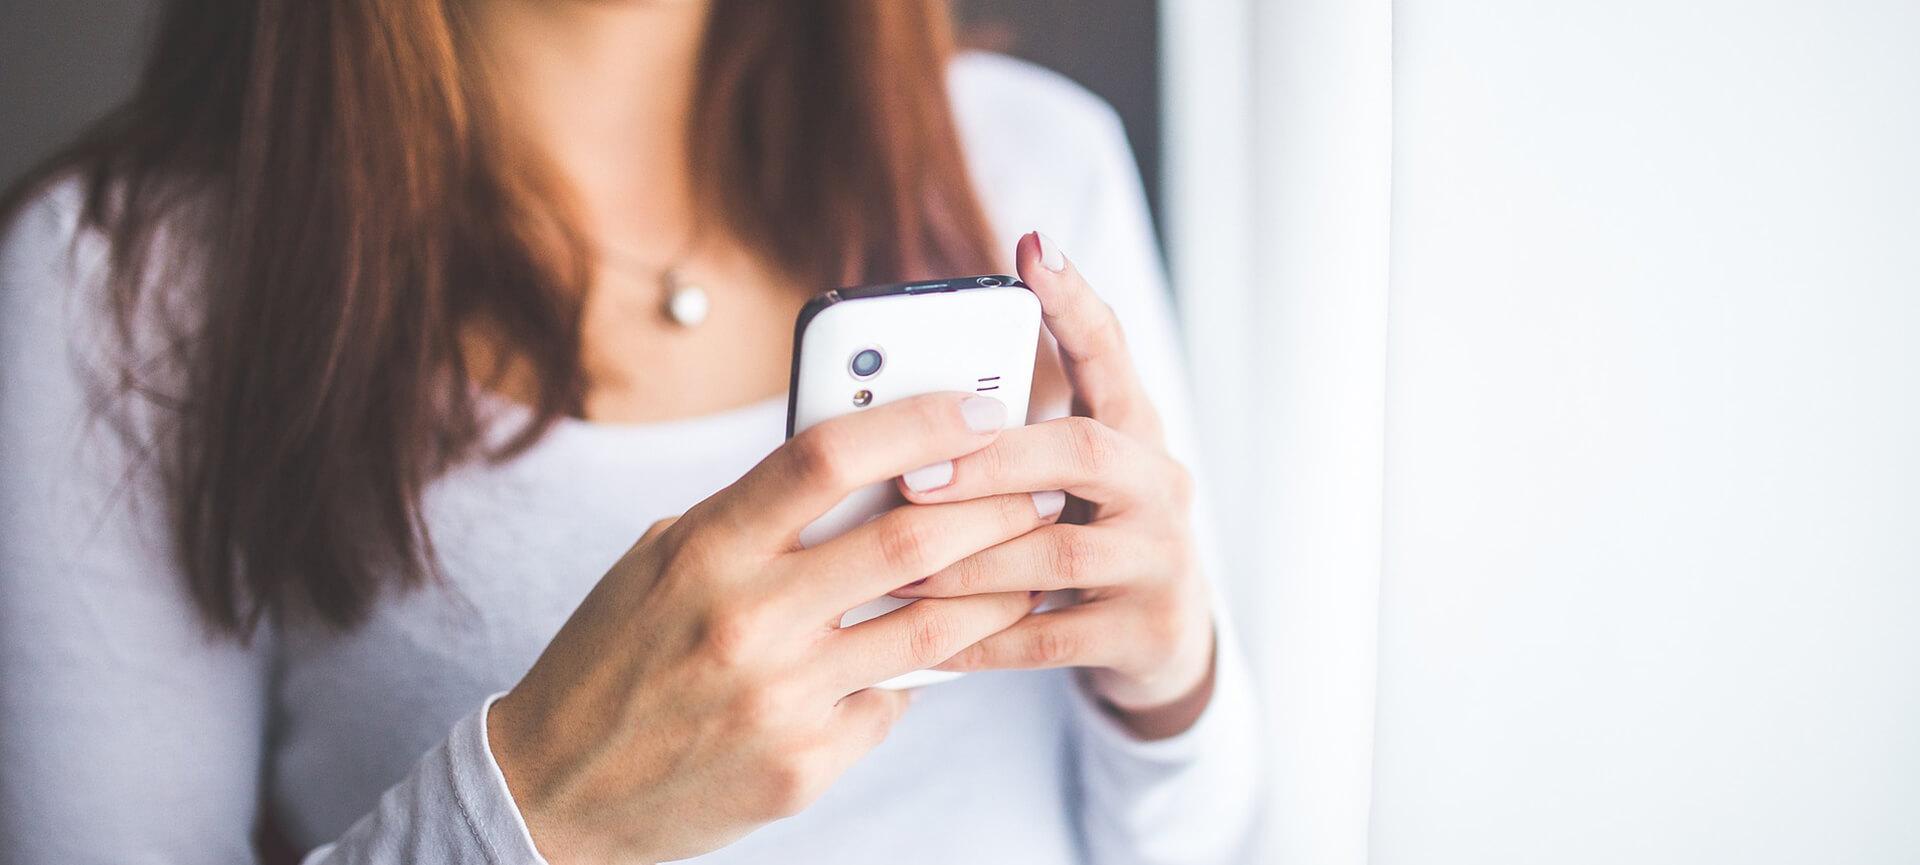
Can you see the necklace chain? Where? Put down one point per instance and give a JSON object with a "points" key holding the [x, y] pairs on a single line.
{"points": [[682, 301]]}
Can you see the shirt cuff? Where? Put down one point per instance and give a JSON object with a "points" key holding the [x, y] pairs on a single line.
{"points": [[1231, 703], [453, 808], [481, 789]]}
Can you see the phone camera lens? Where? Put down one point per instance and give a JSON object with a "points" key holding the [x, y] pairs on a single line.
{"points": [[866, 363], [990, 281]]}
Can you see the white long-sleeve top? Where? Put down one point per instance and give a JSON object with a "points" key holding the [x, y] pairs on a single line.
{"points": [[130, 734]]}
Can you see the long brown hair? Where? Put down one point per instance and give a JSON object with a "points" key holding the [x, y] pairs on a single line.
{"points": [[331, 168]]}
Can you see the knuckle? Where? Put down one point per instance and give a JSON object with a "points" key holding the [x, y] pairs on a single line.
{"points": [[877, 723], [658, 528], [820, 457], [1075, 556], [674, 579], [903, 543], [1015, 511], [731, 639], [792, 781], [752, 712], [760, 711], [683, 553], [968, 577], [989, 464], [1051, 647], [971, 658], [936, 413], [1091, 445], [931, 639]]}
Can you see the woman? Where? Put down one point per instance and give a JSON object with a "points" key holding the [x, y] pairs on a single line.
{"points": [[339, 389]]}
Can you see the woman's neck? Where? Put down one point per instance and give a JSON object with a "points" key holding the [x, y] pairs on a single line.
{"points": [[603, 89]]}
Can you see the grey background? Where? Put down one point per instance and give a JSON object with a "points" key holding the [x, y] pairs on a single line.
{"points": [[63, 62], [1111, 46]]}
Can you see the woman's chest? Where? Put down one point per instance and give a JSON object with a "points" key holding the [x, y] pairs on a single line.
{"points": [[518, 546]]}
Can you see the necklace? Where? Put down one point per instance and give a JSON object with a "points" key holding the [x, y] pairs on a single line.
{"points": [[682, 301]]}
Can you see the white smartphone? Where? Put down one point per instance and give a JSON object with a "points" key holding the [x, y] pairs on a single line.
{"points": [[856, 348]]}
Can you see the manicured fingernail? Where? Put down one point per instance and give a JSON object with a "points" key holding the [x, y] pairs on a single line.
{"points": [[983, 414], [1051, 257], [1049, 502], [927, 478]]}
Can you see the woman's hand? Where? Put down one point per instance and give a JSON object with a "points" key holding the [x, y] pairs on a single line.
{"points": [[703, 687], [1142, 625]]}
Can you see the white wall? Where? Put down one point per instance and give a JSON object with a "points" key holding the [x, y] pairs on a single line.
{"points": [[1652, 576]]}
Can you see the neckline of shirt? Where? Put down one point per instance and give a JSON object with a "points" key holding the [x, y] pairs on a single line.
{"points": [[760, 420]]}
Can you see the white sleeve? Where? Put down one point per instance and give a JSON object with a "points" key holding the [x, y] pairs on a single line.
{"points": [[453, 808], [128, 731], [1190, 798]]}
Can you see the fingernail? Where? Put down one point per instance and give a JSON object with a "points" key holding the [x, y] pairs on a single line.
{"points": [[927, 478], [1049, 502], [1051, 257], [983, 414]]}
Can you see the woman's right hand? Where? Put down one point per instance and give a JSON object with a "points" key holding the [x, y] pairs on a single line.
{"points": [[704, 687]]}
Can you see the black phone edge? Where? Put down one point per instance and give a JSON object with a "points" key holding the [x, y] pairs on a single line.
{"points": [[819, 302]]}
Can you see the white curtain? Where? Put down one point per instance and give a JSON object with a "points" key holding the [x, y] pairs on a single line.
{"points": [[1561, 364], [1279, 124]]}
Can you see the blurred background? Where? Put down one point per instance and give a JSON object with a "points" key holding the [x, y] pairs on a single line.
{"points": [[68, 60], [66, 63], [1559, 369]]}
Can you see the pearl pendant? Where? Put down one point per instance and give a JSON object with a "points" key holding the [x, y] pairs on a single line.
{"points": [[687, 304]]}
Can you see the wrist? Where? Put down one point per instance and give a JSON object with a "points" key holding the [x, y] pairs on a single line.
{"points": [[512, 743], [1162, 705]]}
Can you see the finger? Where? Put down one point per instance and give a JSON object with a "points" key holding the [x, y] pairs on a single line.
{"points": [[822, 464], [918, 636], [1092, 345], [1050, 559], [861, 722], [1080, 636], [1080, 455], [906, 544]]}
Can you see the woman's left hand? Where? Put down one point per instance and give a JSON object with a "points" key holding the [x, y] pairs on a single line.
{"points": [[1143, 625]]}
